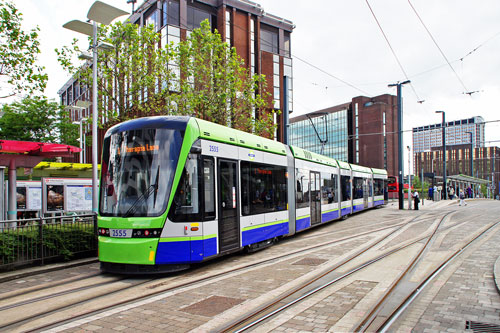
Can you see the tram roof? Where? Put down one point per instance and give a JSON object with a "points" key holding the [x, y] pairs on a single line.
{"points": [[359, 168], [313, 157], [379, 171], [233, 136]]}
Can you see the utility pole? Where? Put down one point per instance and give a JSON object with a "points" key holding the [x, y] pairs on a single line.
{"points": [[400, 140], [471, 155], [443, 125], [409, 177]]}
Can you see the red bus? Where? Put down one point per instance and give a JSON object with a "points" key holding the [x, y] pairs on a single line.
{"points": [[393, 184]]}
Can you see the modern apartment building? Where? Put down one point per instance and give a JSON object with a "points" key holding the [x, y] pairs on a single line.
{"points": [[425, 138], [362, 131], [261, 39]]}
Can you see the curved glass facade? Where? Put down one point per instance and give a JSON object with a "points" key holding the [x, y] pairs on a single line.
{"points": [[331, 127]]}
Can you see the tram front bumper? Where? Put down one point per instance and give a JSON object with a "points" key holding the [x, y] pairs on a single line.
{"points": [[138, 251]]}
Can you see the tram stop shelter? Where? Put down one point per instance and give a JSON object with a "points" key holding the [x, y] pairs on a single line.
{"points": [[27, 154], [461, 182]]}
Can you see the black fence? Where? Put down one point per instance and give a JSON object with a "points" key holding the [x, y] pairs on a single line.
{"points": [[46, 240]]}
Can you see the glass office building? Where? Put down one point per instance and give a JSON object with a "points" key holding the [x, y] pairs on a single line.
{"points": [[328, 136]]}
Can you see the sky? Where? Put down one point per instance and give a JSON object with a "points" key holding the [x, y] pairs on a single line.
{"points": [[339, 52]]}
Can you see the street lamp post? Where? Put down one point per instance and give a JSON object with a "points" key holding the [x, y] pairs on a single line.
{"points": [[443, 125], [409, 177], [104, 14], [471, 155], [400, 139]]}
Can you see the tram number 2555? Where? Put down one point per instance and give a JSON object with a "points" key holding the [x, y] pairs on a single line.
{"points": [[213, 148]]}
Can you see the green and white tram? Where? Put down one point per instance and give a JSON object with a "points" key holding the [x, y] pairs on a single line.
{"points": [[180, 190]]}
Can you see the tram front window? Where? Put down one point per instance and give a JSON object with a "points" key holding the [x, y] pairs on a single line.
{"points": [[138, 168]]}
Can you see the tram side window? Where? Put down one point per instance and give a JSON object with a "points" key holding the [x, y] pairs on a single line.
{"points": [[378, 187], [209, 188], [302, 188], [186, 203], [345, 185], [357, 192], [264, 188], [329, 188]]}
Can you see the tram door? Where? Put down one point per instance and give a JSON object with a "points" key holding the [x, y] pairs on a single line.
{"points": [[315, 198], [366, 193], [229, 231]]}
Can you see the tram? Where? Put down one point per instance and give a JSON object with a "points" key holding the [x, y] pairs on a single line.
{"points": [[180, 190]]}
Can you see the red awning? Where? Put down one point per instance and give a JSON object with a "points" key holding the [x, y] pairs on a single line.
{"points": [[37, 148]]}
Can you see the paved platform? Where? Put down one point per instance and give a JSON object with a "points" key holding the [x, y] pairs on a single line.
{"points": [[468, 291]]}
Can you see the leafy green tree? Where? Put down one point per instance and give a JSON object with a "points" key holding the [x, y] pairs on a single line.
{"points": [[130, 72], [37, 119], [216, 85], [18, 53], [201, 76]]}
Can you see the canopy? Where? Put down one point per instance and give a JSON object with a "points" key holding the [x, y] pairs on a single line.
{"points": [[37, 148]]}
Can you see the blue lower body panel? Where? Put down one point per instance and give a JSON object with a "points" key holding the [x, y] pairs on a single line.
{"points": [[303, 223], [345, 211], [185, 251], [378, 202], [358, 208], [263, 233], [328, 216]]}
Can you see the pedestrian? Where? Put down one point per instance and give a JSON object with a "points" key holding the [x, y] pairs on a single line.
{"points": [[431, 193], [452, 193], [462, 199], [416, 200]]}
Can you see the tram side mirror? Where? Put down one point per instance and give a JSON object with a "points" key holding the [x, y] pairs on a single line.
{"points": [[195, 150]]}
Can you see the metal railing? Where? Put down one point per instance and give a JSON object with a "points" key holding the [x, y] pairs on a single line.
{"points": [[45, 240]]}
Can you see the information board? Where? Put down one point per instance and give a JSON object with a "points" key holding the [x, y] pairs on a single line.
{"points": [[29, 195], [67, 194]]}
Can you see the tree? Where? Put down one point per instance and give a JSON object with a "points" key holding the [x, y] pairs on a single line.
{"points": [[216, 86], [201, 76], [37, 119], [18, 52], [130, 72]]}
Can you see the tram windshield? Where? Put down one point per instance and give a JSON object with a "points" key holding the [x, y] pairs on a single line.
{"points": [[137, 171]]}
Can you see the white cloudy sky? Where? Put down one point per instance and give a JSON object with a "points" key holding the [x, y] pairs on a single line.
{"points": [[342, 38]]}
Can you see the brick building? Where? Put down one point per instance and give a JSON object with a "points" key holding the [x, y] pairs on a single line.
{"points": [[262, 40], [486, 163], [362, 131]]}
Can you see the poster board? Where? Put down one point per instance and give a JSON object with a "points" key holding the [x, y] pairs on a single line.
{"points": [[67, 194], [29, 195]]}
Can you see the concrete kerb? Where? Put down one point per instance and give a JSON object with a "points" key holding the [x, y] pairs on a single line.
{"points": [[496, 274]]}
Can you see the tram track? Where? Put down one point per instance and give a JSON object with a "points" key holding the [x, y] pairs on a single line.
{"points": [[300, 293], [381, 323], [278, 305], [96, 302]]}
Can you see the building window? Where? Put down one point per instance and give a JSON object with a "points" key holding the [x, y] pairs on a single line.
{"points": [[252, 46], [151, 18], [228, 27], [269, 39], [287, 68], [171, 13], [287, 44], [195, 16], [276, 81]]}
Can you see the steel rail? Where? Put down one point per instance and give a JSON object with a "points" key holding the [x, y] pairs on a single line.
{"points": [[233, 327]]}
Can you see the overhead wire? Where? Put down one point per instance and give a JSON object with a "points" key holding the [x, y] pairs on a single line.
{"points": [[292, 55], [392, 50], [439, 48]]}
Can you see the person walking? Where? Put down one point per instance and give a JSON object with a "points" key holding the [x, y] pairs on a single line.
{"points": [[462, 199], [416, 200]]}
